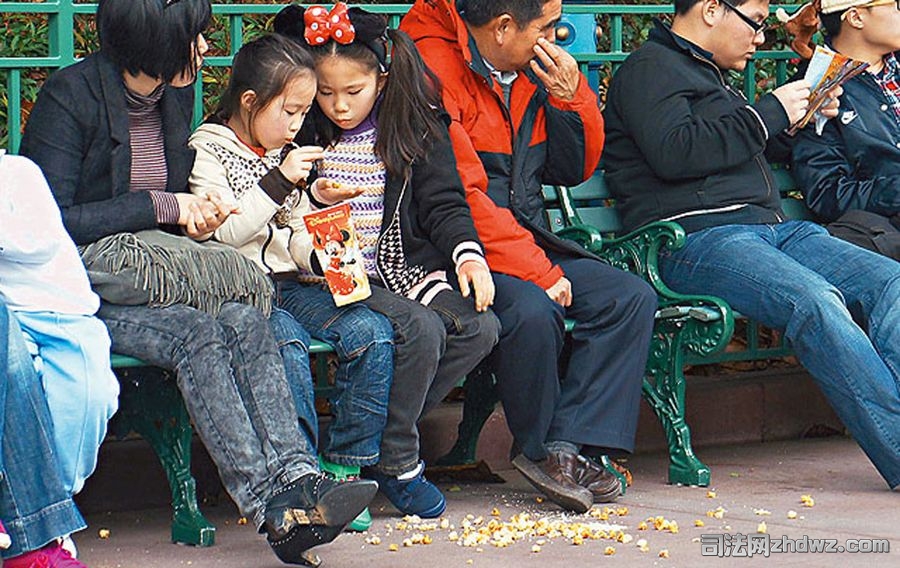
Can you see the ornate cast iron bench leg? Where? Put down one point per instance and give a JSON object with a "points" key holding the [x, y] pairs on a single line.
{"points": [[664, 391], [152, 407], [481, 397]]}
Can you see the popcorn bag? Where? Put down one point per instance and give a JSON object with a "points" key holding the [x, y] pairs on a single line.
{"points": [[336, 246]]}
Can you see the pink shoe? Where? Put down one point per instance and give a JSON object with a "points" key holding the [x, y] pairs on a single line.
{"points": [[51, 556]]}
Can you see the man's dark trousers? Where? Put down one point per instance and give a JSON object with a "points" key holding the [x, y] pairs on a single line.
{"points": [[595, 402]]}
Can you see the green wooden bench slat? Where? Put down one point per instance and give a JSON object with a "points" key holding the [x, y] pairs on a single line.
{"points": [[317, 346], [796, 208], [124, 361], [784, 180], [556, 220], [593, 188], [606, 219]]}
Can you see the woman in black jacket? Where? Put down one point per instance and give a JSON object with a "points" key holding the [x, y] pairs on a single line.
{"points": [[110, 134]]}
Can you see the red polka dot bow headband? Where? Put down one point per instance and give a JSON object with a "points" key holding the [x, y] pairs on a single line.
{"points": [[322, 25]]}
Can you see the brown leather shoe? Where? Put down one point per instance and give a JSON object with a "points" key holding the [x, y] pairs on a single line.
{"points": [[554, 477], [604, 486]]}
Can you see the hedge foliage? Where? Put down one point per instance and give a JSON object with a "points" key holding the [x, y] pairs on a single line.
{"points": [[26, 35]]}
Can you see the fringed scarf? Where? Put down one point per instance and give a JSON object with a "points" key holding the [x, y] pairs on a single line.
{"points": [[159, 269]]}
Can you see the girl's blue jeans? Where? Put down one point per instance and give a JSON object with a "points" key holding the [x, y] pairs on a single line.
{"points": [[363, 342]]}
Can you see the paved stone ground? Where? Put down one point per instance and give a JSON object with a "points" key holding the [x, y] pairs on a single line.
{"points": [[851, 502]]}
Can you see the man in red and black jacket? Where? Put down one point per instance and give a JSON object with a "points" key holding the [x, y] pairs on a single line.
{"points": [[523, 116]]}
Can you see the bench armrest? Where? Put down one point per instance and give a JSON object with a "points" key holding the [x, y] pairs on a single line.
{"points": [[704, 323], [585, 235]]}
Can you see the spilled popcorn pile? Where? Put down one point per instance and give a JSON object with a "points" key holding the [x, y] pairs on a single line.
{"points": [[613, 529], [478, 532]]}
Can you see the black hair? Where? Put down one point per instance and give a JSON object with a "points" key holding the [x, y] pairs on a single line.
{"points": [[479, 12], [682, 7], [408, 118], [831, 23], [265, 66], [156, 37]]}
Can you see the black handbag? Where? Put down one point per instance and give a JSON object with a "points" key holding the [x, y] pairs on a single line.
{"points": [[870, 231]]}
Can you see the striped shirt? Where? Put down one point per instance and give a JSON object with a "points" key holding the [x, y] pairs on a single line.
{"points": [[352, 162], [149, 171]]}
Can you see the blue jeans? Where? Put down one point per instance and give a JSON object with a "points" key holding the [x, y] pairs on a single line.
{"points": [[81, 389], [35, 505], [796, 278], [594, 402], [232, 379], [363, 341], [293, 342]]}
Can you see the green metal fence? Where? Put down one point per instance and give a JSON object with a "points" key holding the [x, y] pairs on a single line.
{"points": [[623, 28]]}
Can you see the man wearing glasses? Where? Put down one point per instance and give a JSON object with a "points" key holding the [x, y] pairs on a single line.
{"points": [[682, 145], [851, 173]]}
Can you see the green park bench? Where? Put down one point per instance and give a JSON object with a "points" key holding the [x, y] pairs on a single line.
{"points": [[689, 329]]}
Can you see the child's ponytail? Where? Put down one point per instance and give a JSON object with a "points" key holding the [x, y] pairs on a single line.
{"points": [[408, 119]]}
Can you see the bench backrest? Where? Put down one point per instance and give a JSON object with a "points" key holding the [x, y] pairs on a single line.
{"points": [[592, 204]]}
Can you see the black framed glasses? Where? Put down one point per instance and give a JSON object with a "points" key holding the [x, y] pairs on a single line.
{"points": [[757, 27]]}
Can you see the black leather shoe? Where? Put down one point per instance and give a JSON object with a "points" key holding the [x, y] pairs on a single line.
{"points": [[554, 477], [316, 499], [604, 486]]}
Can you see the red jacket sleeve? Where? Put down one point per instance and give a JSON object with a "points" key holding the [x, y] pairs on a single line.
{"points": [[509, 247]]}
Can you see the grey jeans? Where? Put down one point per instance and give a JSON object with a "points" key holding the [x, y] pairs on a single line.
{"points": [[434, 347], [231, 376]]}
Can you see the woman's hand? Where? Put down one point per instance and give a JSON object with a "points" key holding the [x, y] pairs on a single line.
{"points": [[329, 191], [479, 276], [201, 215]]}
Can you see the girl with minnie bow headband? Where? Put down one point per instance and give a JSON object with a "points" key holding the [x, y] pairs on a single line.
{"points": [[407, 95], [387, 149]]}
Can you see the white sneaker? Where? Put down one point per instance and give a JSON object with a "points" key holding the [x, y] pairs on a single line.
{"points": [[68, 545]]}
